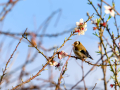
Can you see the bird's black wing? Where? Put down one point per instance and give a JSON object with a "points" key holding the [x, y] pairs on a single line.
{"points": [[86, 53]]}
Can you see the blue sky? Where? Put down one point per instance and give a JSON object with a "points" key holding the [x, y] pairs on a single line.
{"points": [[32, 13]]}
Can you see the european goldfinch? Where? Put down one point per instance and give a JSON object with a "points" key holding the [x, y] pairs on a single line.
{"points": [[80, 51]]}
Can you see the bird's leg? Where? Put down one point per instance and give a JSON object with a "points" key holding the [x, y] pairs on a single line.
{"points": [[83, 59], [76, 58]]}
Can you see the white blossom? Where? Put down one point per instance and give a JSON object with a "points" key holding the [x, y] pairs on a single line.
{"points": [[109, 10], [62, 54], [81, 27], [53, 63]]}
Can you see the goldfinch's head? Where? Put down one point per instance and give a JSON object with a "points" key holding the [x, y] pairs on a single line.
{"points": [[76, 43]]}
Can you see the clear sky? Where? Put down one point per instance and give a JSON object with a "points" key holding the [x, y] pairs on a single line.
{"points": [[32, 13]]}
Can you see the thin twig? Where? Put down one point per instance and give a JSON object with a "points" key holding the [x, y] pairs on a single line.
{"points": [[38, 35], [94, 86], [10, 59]]}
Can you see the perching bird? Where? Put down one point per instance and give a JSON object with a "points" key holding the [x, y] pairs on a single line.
{"points": [[80, 51]]}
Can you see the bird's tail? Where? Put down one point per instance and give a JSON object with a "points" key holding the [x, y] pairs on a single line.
{"points": [[90, 57]]}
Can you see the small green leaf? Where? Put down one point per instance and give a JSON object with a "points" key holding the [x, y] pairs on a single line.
{"points": [[106, 45], [112, 60], [112, 33], [113, 4], [39, 74], [74, 34], [45, 69], [99, 52], [95, 34], [98, 21], [65, 38], [109, 18], [118, 69], [88, 3], [104, 15]]}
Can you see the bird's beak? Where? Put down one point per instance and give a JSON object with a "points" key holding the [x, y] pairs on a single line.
{"points": [[72, 44]]}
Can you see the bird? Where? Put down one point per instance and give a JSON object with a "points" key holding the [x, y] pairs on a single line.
{"points": [[80, 51]]}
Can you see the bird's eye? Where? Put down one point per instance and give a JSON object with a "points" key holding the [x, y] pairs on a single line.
{"points": [[79, 42]]}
